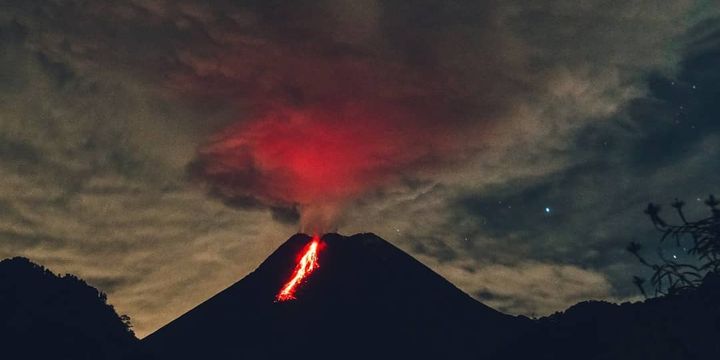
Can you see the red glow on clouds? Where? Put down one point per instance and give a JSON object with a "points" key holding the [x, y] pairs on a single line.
{"points": [[306, 265], [318, 158]]}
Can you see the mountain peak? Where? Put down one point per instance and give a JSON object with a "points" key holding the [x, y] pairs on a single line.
{"points": [[364, 290]]}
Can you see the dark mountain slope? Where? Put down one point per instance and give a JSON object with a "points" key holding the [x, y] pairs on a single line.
{"points": [[367, 299], [43, 316]]}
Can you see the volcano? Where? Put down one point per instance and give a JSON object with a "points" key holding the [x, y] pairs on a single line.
{"points": [[365, 298]]}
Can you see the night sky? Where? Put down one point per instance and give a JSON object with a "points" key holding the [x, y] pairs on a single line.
{"points": [[162, 149]]}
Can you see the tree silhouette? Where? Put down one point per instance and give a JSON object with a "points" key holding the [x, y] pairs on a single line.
{"points": [[699, 239]]}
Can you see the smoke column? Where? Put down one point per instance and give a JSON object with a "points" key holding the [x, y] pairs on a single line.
{"points": [[317, 159]]}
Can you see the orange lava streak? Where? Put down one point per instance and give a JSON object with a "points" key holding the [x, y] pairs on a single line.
{"points": [[308, 262]]}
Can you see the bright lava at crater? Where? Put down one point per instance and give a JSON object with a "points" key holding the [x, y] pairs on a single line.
{"points": [[305, 266]]}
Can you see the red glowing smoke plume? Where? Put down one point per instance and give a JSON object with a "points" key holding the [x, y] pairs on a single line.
{"points": [[306, 265], [316, 159], [338, 101]]}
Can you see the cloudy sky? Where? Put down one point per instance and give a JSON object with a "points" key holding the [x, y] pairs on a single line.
{"points": [[162, 149]]}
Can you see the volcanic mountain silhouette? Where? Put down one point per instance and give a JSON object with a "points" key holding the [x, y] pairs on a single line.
{"points": [[367, 299]]}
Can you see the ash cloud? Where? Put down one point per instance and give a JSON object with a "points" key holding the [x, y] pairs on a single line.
{"points": [[366, 93], [360, 100]]}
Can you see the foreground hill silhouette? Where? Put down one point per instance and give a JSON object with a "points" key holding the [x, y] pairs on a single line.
{"points": [[682, 326], [367, 299], [44, 316]]}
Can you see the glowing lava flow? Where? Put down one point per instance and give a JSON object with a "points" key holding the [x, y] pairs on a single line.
{"points": [[308, 262]]}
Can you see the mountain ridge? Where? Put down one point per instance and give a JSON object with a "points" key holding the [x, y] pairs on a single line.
{"points": [[367, 299]]}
